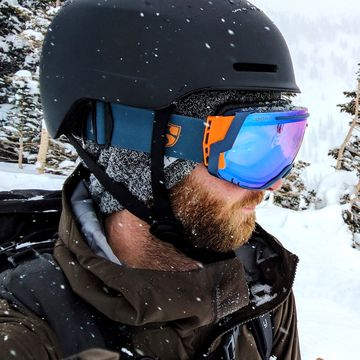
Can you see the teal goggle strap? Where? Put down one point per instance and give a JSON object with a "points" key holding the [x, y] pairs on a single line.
{"points": [[131, 128]]}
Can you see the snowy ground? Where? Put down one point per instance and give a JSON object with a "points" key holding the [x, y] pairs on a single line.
{"points": [[11, 177], [327, 284]]}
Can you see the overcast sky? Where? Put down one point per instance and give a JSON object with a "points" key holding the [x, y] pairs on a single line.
{"points": [[309, 7]]}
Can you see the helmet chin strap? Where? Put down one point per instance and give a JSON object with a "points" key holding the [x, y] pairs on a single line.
{"points": [[160, 216], [166, 227]]}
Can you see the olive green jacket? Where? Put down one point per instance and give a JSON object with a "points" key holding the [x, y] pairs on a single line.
{"points": [[173, 315]]}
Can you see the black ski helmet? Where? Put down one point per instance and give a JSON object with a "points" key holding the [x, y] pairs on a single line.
{"points": [[149, 53]]}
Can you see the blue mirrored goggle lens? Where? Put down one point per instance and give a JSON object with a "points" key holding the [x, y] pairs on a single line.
{"points": [[264, 149]]}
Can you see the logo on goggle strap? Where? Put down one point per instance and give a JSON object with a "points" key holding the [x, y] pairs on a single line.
{"points": [[173, 134]]}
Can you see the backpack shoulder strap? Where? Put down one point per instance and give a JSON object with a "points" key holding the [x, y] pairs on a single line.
{"points": [[45, 292], [262, 330], [39, 286]]}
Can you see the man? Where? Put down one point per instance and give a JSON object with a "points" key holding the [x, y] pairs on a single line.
{"points": [[179, 108]]}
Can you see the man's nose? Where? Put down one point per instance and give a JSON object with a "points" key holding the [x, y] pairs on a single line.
{"points": [[276, 185]]}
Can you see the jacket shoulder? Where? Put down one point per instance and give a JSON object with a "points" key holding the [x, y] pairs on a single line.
{"points": [[38, 287], [25, 336], [286, 339]]}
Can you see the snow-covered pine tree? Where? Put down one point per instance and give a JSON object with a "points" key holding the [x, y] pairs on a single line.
{"points": [[22, 29], [22, 39], [348, 158], [12, 56], [24, 115], [293, 194]]}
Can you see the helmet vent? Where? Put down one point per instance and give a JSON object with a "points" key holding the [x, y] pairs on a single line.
{"points": [[251, 67]]}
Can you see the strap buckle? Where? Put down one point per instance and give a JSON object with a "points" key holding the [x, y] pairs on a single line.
{"points": [[10, 245], [229, 346], [168, 230]]}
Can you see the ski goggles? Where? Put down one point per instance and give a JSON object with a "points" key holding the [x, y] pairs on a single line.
{"points": [[252, 150]]}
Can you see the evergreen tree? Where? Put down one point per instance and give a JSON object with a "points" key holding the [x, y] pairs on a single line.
{"points": [[12, 46], [348, 158], [23, 26], [25, 114], [293, 194], [350, 106]]}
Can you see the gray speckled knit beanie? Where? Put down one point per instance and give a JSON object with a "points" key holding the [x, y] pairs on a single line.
{"points": [[132, 168]]}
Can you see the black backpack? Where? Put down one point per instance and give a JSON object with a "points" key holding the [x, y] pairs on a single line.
{"points": [[29, 222]]}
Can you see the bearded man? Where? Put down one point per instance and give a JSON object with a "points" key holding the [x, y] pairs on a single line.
{"points": [[177, 111]]}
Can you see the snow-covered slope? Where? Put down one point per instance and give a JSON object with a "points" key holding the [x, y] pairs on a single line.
{"points": [[327, 284], [11, 177]]}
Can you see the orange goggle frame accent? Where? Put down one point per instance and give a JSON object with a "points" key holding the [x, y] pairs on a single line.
{"points": [[219, 126]]}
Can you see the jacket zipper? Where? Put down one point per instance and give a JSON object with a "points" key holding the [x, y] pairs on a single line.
{"points": [[206, 353]]}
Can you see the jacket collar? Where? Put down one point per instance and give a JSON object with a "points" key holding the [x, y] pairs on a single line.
{"points": [[216, 294], [138, 297]]}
